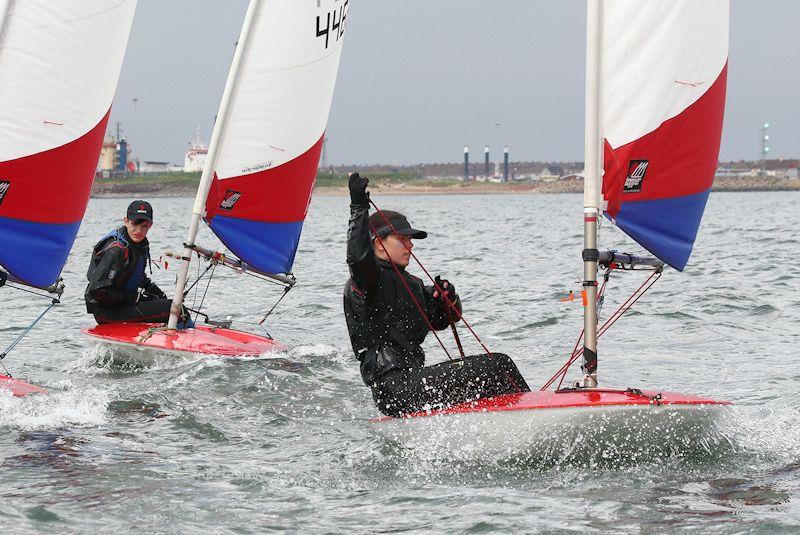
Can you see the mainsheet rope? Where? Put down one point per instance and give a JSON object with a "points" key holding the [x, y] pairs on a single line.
{"points": [[414, 299], [451, 307]]}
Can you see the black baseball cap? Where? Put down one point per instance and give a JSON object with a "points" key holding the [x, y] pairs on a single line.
{"points": [[380, 228], [138, 210]]}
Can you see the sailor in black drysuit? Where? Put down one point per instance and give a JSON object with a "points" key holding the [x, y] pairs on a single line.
{"points": [[387, 330], [118, 288]]}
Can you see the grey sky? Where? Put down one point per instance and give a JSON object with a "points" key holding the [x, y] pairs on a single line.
{"points": [[419, 79]]}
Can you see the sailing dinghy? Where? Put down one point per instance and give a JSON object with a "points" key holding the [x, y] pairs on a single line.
{"points": [[261, 166], [59, 66], [655, 95]]}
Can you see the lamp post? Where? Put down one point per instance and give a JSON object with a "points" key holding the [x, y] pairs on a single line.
{"points": [[135, 146], [764, 145]]}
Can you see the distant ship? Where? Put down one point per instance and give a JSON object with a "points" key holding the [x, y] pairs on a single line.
{"points": [[196, 156]]}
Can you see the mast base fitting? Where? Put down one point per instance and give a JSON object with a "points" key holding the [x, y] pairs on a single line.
{"points": [[588, 381], [590, 255]]}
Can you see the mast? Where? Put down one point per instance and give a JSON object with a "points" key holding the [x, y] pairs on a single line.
{"points": [[591, 192], [208, 171]]}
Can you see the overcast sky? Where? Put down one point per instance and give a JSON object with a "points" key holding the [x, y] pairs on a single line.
{"points": [[419, 79]]}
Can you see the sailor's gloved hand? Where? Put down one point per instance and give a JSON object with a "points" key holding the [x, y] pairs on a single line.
{"points": [[449, 290], [130, 298], [358, 190]]}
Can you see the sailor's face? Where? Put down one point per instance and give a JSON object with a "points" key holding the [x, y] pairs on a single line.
{"points": [[394, 248], [137, 228]]}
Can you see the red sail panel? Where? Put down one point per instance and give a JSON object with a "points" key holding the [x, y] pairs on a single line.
{"points": [[681, 154]]}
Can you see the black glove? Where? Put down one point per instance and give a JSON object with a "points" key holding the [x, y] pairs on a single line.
{"points": [[3, 277], [359, 195], [449, 290], [130, 298]]}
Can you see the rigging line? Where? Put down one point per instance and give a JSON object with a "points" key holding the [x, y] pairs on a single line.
{"points": [[27, 330], [627, 305], [197, 280], [285, 291], [413, 297], [21, 289], [449, 303], [455, 333], [210, 278], [575, 353], [635, 296]]}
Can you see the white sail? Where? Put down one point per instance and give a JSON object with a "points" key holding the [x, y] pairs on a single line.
{"points": [[264, 152], [59, 66]]}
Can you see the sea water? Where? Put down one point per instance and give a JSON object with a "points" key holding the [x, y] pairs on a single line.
{"points": [[183, 445]]}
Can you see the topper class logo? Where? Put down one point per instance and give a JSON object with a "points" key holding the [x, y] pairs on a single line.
{"points": [[230, 199], [635, 177], [4, 185]]}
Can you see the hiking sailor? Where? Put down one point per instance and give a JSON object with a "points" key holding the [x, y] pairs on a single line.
{"points": [[118, 289], [387, 329]]}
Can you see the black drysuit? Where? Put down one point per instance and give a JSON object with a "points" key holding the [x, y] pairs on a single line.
{"points": [[387, 330], [116, 275]]}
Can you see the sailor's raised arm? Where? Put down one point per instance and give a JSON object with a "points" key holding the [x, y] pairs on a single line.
{"points": [[360, 255]]}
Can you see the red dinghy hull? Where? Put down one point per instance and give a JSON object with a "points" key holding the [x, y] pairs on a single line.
{"points": [[18, 388], [562, 425], [570, 399], [201, 339]]}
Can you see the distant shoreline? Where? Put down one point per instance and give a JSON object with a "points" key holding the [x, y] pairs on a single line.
{"points": [[141, 186]]}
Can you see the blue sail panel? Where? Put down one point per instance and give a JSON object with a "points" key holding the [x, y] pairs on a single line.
{"points": [[665, 227], [266, 247], [34, 253]]}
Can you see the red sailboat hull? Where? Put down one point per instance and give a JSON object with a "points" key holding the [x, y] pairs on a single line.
{"points": [[569, 399], [592, 425], [201, 339], [18, 388]]}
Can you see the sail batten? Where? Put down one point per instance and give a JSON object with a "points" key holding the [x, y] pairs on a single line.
{"points": [[664, 80]]}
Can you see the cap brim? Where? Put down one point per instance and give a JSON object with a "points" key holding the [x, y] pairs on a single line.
{"points": [[139, 217], [413, 233]]}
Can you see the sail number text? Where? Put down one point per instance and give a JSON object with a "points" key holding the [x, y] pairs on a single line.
{"points": [[331, 24]]}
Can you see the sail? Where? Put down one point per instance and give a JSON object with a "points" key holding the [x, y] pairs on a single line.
{"points": [[664, 76], [270, 144], [59, 64]]}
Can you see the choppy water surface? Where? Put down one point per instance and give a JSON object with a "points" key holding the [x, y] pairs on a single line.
{"points": [[284, 442]]}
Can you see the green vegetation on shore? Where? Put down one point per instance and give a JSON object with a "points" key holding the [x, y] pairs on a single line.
{"points": [[162, 184], [185, 184]]}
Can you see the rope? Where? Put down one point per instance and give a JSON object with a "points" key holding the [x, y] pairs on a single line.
{"points": [[442, 293], [577, 352], [25, 332], [21, 289], [411, 294], [285, 291], [205, 292], [455, 333]]}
